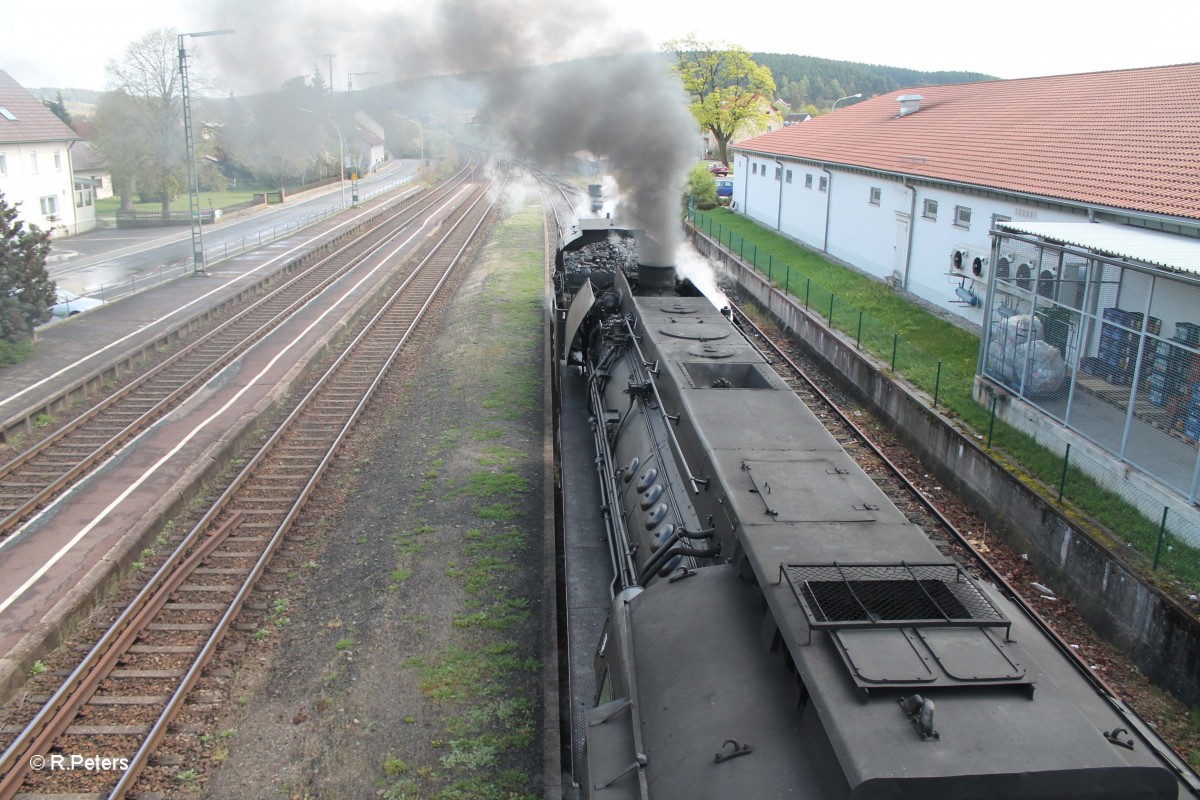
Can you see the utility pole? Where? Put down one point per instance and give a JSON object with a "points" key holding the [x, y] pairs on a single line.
{"points": [[330, 75], [189, 144]]}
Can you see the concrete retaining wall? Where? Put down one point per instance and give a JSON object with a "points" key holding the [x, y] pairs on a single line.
{"points": [[1161, 637]]}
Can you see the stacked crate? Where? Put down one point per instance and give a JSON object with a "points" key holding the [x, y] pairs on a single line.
{"points": [[1116, 354], [1188, 380]]}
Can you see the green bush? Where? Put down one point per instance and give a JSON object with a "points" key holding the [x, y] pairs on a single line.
{"points": [[702, 187]]}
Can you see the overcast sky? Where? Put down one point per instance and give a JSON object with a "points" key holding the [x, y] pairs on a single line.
{"points": [[68, 43]]}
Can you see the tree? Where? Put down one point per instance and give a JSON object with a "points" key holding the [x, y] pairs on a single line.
{"points": [[60, 110], [729, 91], [140, 121], [702, 186], [26, 291], [275, 135]]}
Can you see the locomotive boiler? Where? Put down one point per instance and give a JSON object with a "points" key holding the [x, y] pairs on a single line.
{"points": [[777, 627]]}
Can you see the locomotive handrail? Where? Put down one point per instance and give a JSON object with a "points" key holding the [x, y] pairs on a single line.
{"points": [[675, 446], [619, 547]]}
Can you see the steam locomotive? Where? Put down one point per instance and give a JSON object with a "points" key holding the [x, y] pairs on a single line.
{"points": [[776, 627]]}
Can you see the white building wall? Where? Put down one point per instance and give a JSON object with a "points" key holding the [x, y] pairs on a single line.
{"points": [[875, 237], [22, 183], [863, 233]]}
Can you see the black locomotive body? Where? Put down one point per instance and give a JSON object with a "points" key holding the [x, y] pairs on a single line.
{"points": [[778, 627]]}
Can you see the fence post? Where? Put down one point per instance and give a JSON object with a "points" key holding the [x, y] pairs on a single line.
{"points": [[1162, 534], [895, 344], [832, 296], [858, 341], [807, 288], [1062, 482], [937, 385], [787, 279], [755, 253], [992, 421], [770, 266]]}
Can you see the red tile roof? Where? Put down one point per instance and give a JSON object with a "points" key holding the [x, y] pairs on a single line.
{"points": [[34, 122], [1128, 139]]}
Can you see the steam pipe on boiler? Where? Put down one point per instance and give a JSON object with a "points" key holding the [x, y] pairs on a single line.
{"points": [[665, 550]]}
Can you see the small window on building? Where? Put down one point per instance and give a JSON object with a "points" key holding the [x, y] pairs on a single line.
{"points": [[8, 115], [3, 164], [808, 181], [929, 210], [876, 195], [57, 161], [49, 205], [824, 184], [962, 217], [789, 176], [33, 162], [83, 195], [998, 218], [778, 173], [754, 169]]}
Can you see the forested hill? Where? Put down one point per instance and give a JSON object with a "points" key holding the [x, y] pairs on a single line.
{"points": [[804, 80]]}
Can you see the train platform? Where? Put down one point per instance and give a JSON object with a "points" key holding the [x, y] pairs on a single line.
{"points": [[101, 341], [63, 561]]}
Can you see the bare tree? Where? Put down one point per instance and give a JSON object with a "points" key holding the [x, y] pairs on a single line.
{"points": [[140, 120]]}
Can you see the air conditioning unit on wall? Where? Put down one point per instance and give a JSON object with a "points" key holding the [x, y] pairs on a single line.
{"points": [[977, 262], [960, 258]]}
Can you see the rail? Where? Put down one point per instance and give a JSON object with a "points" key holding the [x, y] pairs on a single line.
{"points": [[361, 364]]}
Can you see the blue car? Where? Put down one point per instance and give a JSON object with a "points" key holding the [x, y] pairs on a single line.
{"points": [[724, 188]]}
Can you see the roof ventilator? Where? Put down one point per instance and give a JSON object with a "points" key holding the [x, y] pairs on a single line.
{"points": [[909, 104]]}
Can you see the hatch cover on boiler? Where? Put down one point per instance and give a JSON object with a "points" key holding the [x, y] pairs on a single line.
{"points": [[678, 308], [694, 330]]}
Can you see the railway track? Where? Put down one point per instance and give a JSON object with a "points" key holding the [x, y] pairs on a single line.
{"points": [[905, 492], [119, 701], [38, 474]]}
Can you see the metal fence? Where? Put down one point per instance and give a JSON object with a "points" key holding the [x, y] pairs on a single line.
{"points": [[216, 253], [1043, 311]]}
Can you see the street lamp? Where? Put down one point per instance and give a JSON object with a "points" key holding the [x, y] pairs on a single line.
{"points": [[341, 151], [420, 130], [190, 147], [847, 97], [350, 78]]}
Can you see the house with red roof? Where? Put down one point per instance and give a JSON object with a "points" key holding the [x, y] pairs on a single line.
{"points": [[1059, 214], [35, 164], [899, 184]]}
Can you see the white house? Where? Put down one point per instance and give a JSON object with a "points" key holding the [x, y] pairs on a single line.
{"points": [[1060, 214], [91, 168], [899, 184], [368, 141], [35, 164]]}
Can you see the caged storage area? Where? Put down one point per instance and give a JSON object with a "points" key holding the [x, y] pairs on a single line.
{"points": [[1098, 328]]}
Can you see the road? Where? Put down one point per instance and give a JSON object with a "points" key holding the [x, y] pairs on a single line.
{"points": [[114, 261]]}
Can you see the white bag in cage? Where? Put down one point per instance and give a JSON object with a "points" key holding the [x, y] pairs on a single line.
{"points": [[1045, 367], [1016, 330]]}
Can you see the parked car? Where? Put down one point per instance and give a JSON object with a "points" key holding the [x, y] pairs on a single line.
{"points": [[724, 188], [718, 169], [69, 304]]}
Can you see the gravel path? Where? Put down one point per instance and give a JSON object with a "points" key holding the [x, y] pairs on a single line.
{"points": [[402, 658]]}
